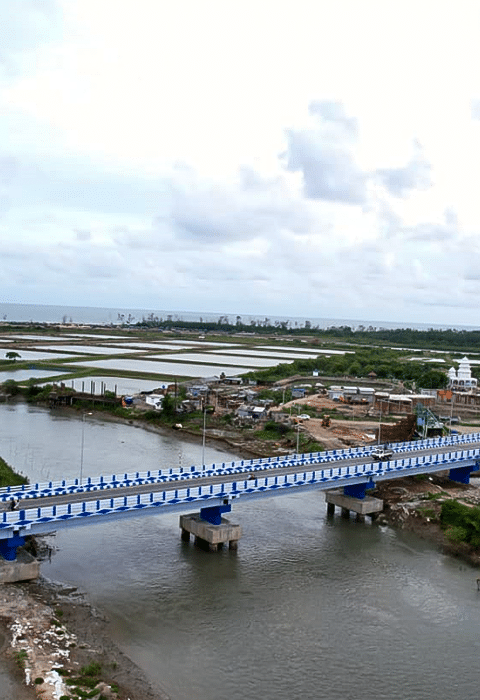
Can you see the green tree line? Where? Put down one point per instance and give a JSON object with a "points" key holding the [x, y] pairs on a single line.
{"points": [[386, 363], [449, 338]]}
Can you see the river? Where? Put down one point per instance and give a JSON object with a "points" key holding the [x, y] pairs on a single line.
{"points": [[307, 607]]}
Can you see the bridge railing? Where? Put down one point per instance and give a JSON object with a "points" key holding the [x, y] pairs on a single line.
{"points": [[43, 517], [64, 486]]}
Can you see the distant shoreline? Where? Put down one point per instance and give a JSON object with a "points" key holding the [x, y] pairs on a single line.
{"points": [[104, 316]]}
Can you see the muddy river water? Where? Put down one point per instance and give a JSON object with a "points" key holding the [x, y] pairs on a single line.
{"points": [[307, 608]]}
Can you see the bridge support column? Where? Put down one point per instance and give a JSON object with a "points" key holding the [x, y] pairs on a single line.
{"points": [[358, 490], [461, 474], [361, 506], [210, 535], [8, 547]]}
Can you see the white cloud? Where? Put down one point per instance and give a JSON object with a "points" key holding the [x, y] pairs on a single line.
{"points": [[255, 158]]}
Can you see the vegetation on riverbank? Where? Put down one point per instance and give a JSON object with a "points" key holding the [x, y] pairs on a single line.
{"points": [[461, 523], [8, 477]]}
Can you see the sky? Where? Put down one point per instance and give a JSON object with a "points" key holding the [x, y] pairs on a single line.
{"points": [[279, 158]]}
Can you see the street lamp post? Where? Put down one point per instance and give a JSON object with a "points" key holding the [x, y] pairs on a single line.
{"points": [[83, 444], [298, 427], [380, 422], [203, 439]]}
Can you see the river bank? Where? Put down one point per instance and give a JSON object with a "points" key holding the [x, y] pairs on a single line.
{"points": [[53, 633]]}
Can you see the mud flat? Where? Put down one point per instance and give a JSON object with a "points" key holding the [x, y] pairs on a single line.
{"points": [[51, 635]]}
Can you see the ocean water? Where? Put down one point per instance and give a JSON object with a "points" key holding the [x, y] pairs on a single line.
{"points": [[41, 313]]}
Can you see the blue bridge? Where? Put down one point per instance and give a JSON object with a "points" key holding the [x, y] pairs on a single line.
{"points": [[43, 507]]}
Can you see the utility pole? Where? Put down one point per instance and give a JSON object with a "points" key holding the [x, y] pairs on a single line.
{"points": [[203, 439], [83, 444], [380, 423], [298, 427]]}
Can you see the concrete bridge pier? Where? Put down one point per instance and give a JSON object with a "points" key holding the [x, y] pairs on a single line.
{"points": [[353, 499], [210, 530], [16, 564]]}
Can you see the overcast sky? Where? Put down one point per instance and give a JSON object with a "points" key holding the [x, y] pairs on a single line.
{"points": [[286, 158]]}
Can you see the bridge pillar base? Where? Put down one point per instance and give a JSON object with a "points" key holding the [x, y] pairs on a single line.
{"points": [[23, 568], [361, 506], [211, 537]]}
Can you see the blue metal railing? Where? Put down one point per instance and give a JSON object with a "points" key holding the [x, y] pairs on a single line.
{"points": [[66, 486], [42, 518]]}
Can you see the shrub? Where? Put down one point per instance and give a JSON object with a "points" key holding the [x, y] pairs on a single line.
{"points": [[456, 533], [427, 513], [461, 523], [11, 387], [93, 669]]}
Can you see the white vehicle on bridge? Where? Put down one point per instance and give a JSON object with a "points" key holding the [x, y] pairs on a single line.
{"points": [[381, 454]]}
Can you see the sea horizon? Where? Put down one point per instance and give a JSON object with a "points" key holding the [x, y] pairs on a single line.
{"points": [[116, 316]]}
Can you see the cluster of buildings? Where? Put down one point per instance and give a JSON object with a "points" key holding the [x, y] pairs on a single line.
{"points": [[230, 395]]}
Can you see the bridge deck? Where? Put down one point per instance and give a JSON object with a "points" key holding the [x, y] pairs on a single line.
{"points": [[54, 505]]}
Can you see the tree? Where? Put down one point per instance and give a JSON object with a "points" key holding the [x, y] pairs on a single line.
{"points": [[434, 379], [11, 387], [168, 405], [12, 355]]}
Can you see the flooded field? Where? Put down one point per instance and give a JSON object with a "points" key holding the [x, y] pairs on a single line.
{"points": [[164, 368], [282, 355], [89, 349], [35, 354], [226, 360], [23, 375]]}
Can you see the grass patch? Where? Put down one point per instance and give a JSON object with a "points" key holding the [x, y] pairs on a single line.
{"points": [[92, 669], [427, 513], [20, 658], [8, 477]]}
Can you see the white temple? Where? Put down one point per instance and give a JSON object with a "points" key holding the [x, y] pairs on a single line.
{"points": [[462, 379]]}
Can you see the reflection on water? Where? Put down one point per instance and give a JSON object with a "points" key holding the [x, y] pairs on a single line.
{"points": [[307, 607]]}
